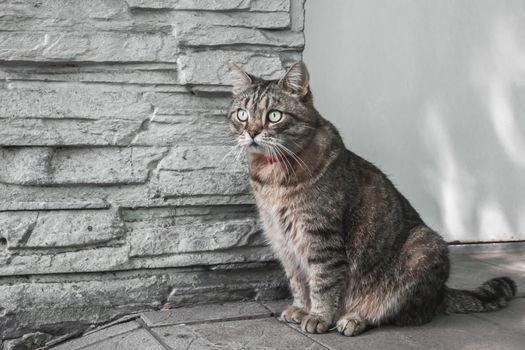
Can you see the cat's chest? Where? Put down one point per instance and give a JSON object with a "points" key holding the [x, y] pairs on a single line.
{"points": [[282, 218]]}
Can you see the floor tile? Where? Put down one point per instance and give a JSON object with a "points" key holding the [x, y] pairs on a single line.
{"points": [[508, 260], [98, 336], [277, 306], [463, 332], [255, 334], [138, 339], [387, 337], [469, 273], [249, 325], [512, 317], [207, 312]]}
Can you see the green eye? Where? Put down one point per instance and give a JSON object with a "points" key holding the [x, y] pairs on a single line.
{"points": [[242, 115], [274, 116]]}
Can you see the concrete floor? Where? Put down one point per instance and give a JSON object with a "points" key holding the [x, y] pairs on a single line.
{"points": [[253, 325]]}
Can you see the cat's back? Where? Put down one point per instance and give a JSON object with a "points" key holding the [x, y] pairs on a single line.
{"points": [[378, 213]]}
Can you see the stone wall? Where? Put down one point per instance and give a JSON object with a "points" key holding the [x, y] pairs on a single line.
{"points": [[117, 192]]}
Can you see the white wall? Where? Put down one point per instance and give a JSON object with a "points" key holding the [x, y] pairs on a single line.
{"points": [[433, 92]]}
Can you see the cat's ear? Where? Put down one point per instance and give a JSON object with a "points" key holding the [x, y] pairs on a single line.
{"points": [[296, 80], [240, 79]]}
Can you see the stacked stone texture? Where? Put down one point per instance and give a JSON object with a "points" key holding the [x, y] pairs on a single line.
{"points": [[117, 192]]}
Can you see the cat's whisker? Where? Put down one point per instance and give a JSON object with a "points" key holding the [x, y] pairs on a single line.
{"points": [[273, 155], [233, 148], [244, 140], [285, 159], [296, 157], [276, 153], [292, 154], [238, 155], [276, 145]]}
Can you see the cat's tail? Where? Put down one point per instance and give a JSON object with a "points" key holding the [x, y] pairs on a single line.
{"points": [[491, 295]]}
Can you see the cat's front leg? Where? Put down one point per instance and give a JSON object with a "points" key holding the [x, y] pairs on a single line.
{"points": [[327, 275], [299, 287]]}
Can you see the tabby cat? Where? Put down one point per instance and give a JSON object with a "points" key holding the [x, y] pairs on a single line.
{"points": [[356, 253]]}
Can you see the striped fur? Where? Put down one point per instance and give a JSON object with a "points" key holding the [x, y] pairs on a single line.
{"points": [[355, 251], [491, 295]]}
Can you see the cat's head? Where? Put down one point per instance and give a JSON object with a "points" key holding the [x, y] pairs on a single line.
{"points": [[273, 117]]}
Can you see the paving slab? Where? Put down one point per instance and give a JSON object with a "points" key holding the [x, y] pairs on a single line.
{"points": [[277, 306], [383, 338], [97, 336], [138, 339], [508, 260], [205, 313], [250, 325], [463, 332], [254, 334], [495, 330], [511, 318], [387, 337], [468, 272]]}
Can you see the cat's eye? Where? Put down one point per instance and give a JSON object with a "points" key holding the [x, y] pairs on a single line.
{"points": [[242, 115], [274, 116]]}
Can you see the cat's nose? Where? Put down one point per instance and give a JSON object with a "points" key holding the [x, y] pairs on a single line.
{"points": [[252, 133]]}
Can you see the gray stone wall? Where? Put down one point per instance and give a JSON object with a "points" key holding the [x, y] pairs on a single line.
{"points": [[113, 195]]}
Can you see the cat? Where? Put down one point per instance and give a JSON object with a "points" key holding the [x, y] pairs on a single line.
{"points": [[355, 252]]}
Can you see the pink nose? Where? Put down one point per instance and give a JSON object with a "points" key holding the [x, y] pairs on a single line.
{"points": [[252, 133]]}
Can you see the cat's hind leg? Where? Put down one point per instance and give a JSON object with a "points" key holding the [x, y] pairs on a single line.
{"points": [[408, 293]]}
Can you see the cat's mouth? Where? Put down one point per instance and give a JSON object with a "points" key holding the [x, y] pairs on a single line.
{"points": [[256, 148], [255, 145], [251, 145]]}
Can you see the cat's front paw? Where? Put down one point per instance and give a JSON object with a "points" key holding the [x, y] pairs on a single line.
{"points": [[293, 314], [350, 326], [315, 324]]}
